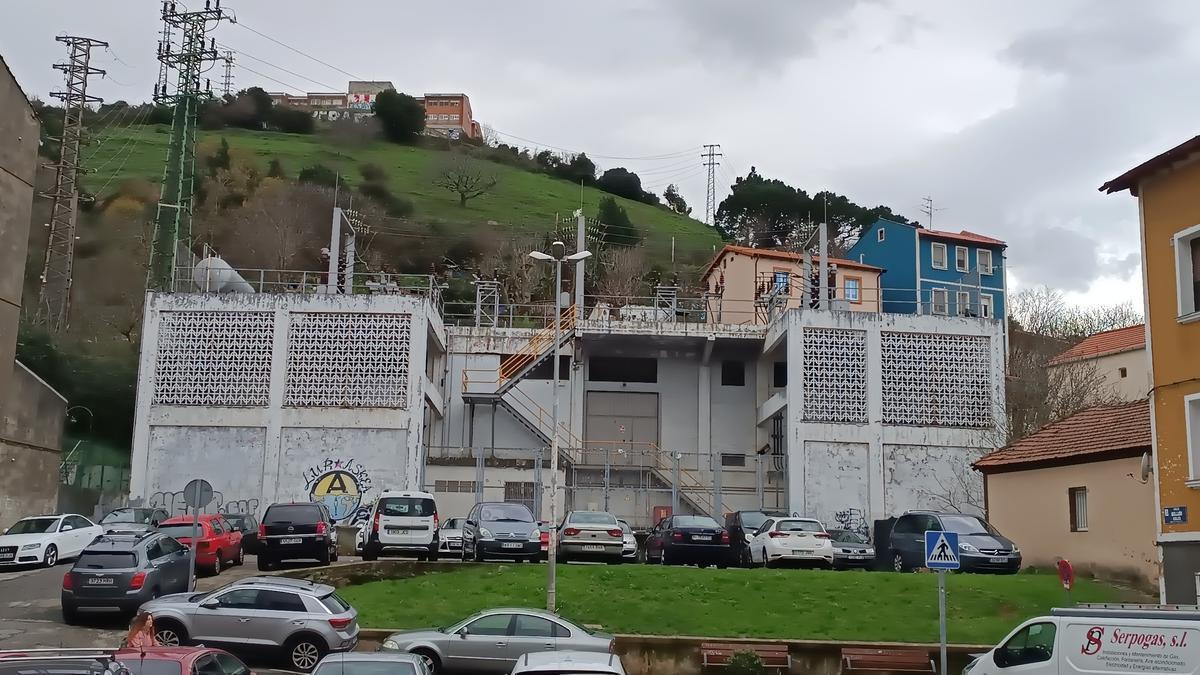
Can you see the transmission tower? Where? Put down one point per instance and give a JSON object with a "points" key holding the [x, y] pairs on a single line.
{"points": [[227, 79], [173, 222], [54, 303], [711, 155]]}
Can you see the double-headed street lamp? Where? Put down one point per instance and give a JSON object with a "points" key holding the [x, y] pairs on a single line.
{"points": [[557, 256]]}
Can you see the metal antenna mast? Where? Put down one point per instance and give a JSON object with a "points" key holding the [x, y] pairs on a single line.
{"points": [[927, 208], [227, 80], [55, 302], [710, 156], [173, 223]]}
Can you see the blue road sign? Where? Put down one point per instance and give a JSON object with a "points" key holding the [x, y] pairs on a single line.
{"points": [[941, 550]]}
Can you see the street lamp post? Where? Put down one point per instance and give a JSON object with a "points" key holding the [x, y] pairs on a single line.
{"points": [[557, 256]]}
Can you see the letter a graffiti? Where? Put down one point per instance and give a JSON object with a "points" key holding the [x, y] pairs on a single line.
{"points": [[337, 484]]}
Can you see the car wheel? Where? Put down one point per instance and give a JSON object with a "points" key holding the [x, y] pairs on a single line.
{"points": [[323, 556], [241, 557], [432, 662], [70, 615], [476, 555], [765, 561], [51, 558], [898, 563], [216, 568], [333, 556], [304, 652], [370, 553], [169, 634], [264, 563], [433, 553], [462, 553]]}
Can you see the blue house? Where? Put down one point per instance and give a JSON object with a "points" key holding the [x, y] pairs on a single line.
{"points": [[935, 272]]}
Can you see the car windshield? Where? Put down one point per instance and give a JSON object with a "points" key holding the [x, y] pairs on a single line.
{"points": [[33, 526], [506, 512], [237, 520], [593, 518], [453, 524], [694, 521], [292, 513], [410, 507], [848, 537], [380, 667], [106, 560], [753, 520], [968, 525], [139, 516], [799, 526], [181, 530], [137, 666]]}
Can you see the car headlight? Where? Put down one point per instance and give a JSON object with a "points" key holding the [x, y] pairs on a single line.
{"points": [[1015, 549], [30, 547], [390, 645], [869, 551], [485, 533], [536, 535], [969, 548]]}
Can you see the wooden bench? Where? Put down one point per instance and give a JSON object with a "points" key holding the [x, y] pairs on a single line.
{"points": [[886, 661], [773, 656]]}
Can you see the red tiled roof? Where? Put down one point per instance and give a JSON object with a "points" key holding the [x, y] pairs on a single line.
{"points": [[1103, 344], [1086, 436], [1131, 178], [961, 236], [783, 255]]}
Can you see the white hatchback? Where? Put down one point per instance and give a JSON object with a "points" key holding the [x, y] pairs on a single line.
{"points": [[557, 663], [797, 540], [402, 522]]}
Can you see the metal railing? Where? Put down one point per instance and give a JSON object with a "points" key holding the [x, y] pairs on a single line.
{"points": [[224, 279]]}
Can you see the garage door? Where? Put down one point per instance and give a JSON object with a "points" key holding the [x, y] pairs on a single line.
{"points": [[618, 419]]}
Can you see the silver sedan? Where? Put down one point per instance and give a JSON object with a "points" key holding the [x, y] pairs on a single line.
{"points": [[492, 641], [590, 535]]}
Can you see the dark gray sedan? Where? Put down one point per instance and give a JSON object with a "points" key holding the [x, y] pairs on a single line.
{"points": [[851, 550], [492, 641]]}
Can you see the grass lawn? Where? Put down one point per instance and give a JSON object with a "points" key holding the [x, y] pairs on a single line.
{"points": [[785, 603], [522, 201]]}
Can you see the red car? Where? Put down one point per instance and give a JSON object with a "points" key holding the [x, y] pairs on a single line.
{"points": [[219, 543], [181, 661]]}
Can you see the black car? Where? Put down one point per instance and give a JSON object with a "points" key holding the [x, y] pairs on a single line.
{"points": [[851, 550], [296, 531], [688, 540], [741, 526], [248, 526], [980, 547], [501, 530], [118, 572]]}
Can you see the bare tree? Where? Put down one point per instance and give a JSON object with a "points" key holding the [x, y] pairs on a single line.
{"points": [[622, 271], [1045, 311], [282, 226], [468, 178], [959, 489]]}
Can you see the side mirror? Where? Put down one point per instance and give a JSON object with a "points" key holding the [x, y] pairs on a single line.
{"points": [[154, 524], [463, 632], [209, 604], [67, 528]]}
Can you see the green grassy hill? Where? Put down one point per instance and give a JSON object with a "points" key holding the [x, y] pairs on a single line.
{"points": [[523, 201]]}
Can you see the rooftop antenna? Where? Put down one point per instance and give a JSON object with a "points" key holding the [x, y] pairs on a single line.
{"points": [[928, 209]]}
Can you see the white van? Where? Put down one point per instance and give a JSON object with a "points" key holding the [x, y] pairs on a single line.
{"points": [[1099, 640], [402, 522]]}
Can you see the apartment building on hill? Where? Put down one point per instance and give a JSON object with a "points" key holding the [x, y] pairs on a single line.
{"points": [[446, 115]]}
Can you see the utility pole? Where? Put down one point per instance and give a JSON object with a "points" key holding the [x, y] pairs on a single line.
{"points": [[54, 303], [711, 155], [173, 222], [227, 80]]}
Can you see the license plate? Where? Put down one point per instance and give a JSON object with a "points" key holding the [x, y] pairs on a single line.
{"points": [[100, 581], [396, 530], [511, 545], [291, 540], [802, 551], [593, 548], [7, 556], [701, 537], [455, 544], [858, 557], [997, 560]]}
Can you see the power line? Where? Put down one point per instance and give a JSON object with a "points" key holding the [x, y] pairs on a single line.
{"points": [[261, 74], [276, 67], [301, 53]]}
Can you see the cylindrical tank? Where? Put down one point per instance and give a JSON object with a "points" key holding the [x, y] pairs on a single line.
{"points": [[214, 275]]}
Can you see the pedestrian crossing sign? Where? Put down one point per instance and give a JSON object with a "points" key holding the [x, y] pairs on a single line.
{"points": [[941, 550]]}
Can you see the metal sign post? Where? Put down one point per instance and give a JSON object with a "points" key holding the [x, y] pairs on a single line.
{"points": [[941, 554], [197, 494]]}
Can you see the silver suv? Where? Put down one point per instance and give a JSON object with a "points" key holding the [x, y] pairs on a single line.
{"points": [[305, 620]]}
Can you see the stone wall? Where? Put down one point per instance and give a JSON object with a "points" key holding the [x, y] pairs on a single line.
{"points": [[30, 436]]}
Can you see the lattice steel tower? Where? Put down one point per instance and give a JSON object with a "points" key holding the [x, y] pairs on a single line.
{"points": [[54, 303], [173, 222], [711, 155], [227, 79]]}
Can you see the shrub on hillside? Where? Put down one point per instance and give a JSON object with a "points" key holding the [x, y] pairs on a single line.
{"points": [[624, 183], [615, 226], [401, 116], [275, 169], [291, 120], [318, 174]]}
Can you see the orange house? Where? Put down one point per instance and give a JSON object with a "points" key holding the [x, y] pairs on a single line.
{"points": [[1167, 188]]}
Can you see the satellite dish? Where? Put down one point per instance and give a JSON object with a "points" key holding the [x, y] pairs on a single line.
{"points": [[1147, 466]]}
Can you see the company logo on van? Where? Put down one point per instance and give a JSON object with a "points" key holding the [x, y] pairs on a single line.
{"points": [[1095, 640]]}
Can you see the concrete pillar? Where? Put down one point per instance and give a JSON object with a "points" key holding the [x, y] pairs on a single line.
{"points": [[273, 438]]}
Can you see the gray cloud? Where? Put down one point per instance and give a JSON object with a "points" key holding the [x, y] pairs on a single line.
{"points": [[1093, 40]]}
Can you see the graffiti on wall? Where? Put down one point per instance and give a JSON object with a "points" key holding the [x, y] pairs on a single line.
{"points": [[340, 484], [174, 504], [854, 520]]}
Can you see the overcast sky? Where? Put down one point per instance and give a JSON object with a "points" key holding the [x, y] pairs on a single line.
{"points": [[1009, 115]]}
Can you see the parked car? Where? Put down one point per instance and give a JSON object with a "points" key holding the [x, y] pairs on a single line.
{"points": [[688, 540], [590, 535], [44, 540], [851, 550], [629, 546], [741, 526], [119, 572], [791, 540], [247, 524], [980, 547], [217, 545], [501, 530], [126, 661], [132, 520], [403, 522], [302, 619], [372, 663], [450, 536], [295, 531], [557, 663], [492, 640]]}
